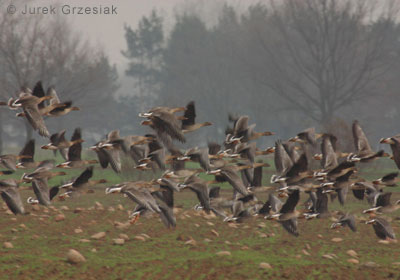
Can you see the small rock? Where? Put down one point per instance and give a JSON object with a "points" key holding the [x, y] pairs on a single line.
{"points": [[120, 225], [320, 236], [207, 240], [14, 230], [59, 218], [305, 252], [197, 225], [98, 204], [8, 212], [396, 263], [124, 236], [111, 209], [139, 237], [354, 261], [120, 207], [118, 241], [35, 207], [232, 225], [191, 242], [265, 265], [384, 241], [181, 237], [84, 240], [98, 235], [78, 230], [78, 210], [45, 210], [262, 225], [352, 253], [223, 253], [213, 231], [328, 257], [8, 245], [337, 239], [64, 208], [22, 226], [210, 223], [298, 256], [94, 250], [308, 246], [75, 257], [228, 242], [263, 235], [245, 247], [13, 219], [209, 216], [145, 235], [370, 264]]}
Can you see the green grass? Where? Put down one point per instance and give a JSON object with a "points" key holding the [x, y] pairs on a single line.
{"points": [[40, 249]]}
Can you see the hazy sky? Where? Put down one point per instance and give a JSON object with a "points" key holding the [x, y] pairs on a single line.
{"points": [[107, 30]]}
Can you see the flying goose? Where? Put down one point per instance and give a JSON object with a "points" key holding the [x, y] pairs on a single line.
{"points": [[74, 153], [81, 183], [394, 143], [188, 122], [382, 228], [30, 104], [10, 194], [164, 122], [345, 220], [43, 193], [364, 153], [59, 143]]}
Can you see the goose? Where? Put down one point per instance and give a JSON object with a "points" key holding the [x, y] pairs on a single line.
{"points": [[165, 123], [288, 214], [82, 183], [188, 122], [382, 228], [74, 153], [364, 153], [394, 143], [26, 154], [59, 143], [10, 194], [43, 193], [30, 104], [345, 220]]}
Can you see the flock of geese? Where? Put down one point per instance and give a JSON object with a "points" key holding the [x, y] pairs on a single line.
{"points": [[236, 161]]}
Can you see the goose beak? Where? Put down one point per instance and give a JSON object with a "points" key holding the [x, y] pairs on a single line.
{"points": [[317, 156], [270, 150], [32, 201], [386, 141], [214, 172], [184, 158], [113, 190]]}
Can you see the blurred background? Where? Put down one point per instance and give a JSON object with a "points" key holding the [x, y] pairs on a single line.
{"points": [[289, 65]]}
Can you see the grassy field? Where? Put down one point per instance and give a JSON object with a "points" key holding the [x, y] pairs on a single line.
{"points": [[193, 249]]}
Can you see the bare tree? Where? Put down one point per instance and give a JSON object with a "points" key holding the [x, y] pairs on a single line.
{"points": [[35, 48], [321, 55]]}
